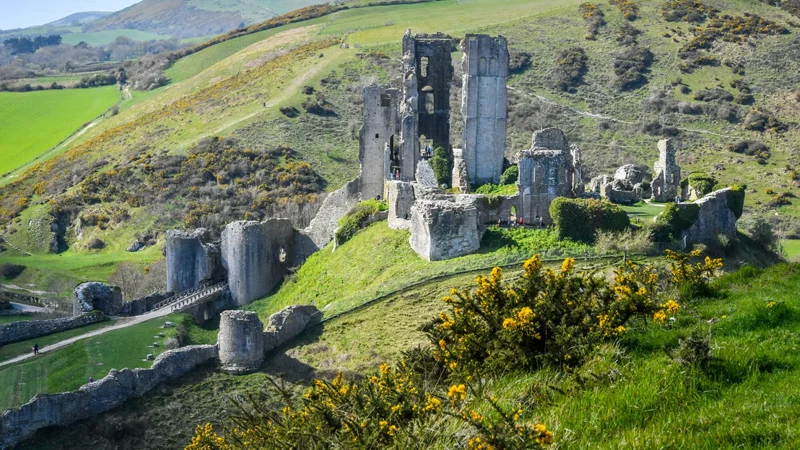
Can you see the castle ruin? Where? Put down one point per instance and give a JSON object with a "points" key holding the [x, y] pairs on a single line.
{"points": [[667, 179]]}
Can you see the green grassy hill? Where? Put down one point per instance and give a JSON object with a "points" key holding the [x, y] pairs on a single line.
{"points": [[33, 122]]}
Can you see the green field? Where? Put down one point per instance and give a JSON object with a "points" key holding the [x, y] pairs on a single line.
{"points": [[98, 38], [69, 368], [10, 319], [33, 122], [643, 211], [792, 249], [9, 351]]}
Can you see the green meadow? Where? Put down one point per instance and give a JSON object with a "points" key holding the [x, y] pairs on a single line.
{"points": [[33, 122]]}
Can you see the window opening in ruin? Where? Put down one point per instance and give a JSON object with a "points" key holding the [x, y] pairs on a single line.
{"points": [[482, 66], [493, 67], [386, 100], [423, 66], [430, 106], [282, 256], [377, 136]]}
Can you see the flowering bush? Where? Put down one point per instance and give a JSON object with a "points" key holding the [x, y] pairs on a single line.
{"points": [[692, 279], [546, 317]]}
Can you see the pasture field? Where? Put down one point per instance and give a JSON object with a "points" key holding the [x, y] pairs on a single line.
{"points": [[792, 249], [96, 38], [8, 319], [69, 368], [33, 122]]}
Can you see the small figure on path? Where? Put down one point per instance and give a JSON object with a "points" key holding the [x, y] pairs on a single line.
{"points": [[541, 222], [91, 379], [36, 348]]}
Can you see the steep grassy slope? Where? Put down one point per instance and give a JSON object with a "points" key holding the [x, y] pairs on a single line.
{"points": [[238, 87], [32, 122], [631, 395]]}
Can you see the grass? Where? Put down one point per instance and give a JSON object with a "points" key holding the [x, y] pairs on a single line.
{"points": [[10, 351], [69, 368], [643, 211], [347, 278], [791, 248], [33, 122], [9, 319], [97, 38]]}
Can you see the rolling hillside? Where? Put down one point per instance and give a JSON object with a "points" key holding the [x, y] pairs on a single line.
{"points": [[237, 89], [192, 18]]}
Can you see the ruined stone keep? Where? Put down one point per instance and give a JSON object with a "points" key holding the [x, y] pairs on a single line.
{"points": [[190, 260], [667, 179], [379, 135], [547, 171], [241, 341], [484, 106]]}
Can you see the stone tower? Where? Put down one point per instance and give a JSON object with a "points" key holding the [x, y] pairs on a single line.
{"points": [[380, 129], [484, 106], [189, 260], [425, 106], [667, 180], [546, 171], [240, 341]]}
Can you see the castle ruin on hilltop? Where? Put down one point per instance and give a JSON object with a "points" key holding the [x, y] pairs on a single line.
{"points": [[400, 126]]}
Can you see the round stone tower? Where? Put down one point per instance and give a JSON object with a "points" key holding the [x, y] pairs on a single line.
{"points": [[241, 342]]}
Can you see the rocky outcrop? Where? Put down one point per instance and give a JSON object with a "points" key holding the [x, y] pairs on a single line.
{"points": [[96, 296], [460, 173], [442, 229], [425, 175], [48, 410], [256, 255], [714, 218], [190, 260], [335, 206], [22, 331], [288, 323], [400, 196], [240, 341]]}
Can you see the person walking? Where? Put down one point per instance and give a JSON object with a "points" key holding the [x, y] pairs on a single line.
{"points": [[36, 348]]}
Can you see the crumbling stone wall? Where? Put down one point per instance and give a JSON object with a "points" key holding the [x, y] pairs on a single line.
{"points": [[96, 296], [256, 255], [460, 172], [240, 341], [714, 218], [32, 329], [546, 171], [335, 206], [400, 196], [190, 260], [444, 229], [288, 323], [46, 410], [667, 179], [380, 129], [484, 106], [142, 305]]}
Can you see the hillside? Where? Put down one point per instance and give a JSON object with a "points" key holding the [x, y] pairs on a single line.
{"points": [[192, 18], [237, 89], [78, 19]]}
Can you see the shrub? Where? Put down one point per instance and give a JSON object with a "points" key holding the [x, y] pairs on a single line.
{"points": [[594, 18], [630, 67], [630, 241], [628, 8], [290, 111], [694, 351], [510, 176], [440, 163], [692, 279], [710, 95], [703, 183], [758, 119], [674, 220], [735, 198], [762, 232], [544, 318], [581, 219], [352, 222], [687, 11], [95, 244], [750, 148], [10, 271], [519, 61], [570, 67]]}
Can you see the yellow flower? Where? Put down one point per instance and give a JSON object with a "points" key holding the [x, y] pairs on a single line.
{"points": [[771, 305], [567, 265], [659, 317], [526, 315], [510, 324], [457, 393], [672, 306]]}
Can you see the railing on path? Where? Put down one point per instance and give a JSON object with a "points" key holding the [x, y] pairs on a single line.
{"points": [[191, 297]]}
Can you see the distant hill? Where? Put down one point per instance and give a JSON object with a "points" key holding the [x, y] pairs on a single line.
{"points": [[191, 18], [77, 19]]}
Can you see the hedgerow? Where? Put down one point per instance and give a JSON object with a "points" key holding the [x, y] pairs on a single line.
{"points": [[581, 219]]}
